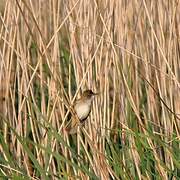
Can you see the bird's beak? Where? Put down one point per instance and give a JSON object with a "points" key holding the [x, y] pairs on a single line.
{"points": [[95, 94]]}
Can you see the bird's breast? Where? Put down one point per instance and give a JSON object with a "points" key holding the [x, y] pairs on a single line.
{"points": [[82, 110]]}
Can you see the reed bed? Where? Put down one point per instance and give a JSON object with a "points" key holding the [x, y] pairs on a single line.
{"points": [[128, 51]]}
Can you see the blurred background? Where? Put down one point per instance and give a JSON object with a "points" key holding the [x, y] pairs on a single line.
{"points": [[128, 51]]}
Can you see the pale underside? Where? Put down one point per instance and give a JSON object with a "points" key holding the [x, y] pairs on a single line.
{"points": [[83, 109]]}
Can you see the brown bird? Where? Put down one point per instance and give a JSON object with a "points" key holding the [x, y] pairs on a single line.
{"points": [[82, 109]]}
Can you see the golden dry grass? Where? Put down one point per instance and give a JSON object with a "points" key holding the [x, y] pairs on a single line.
{"points": [[126, 50]]}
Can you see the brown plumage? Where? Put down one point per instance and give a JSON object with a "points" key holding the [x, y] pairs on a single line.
{"points": [[82, 109]]}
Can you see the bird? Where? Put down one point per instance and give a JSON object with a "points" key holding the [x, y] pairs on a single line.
{"points": [[82, 109]]}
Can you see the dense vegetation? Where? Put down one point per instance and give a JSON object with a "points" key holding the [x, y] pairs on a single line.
{"points": [[128, 51]]}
